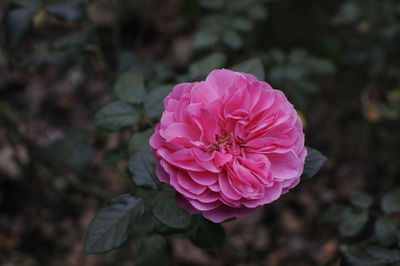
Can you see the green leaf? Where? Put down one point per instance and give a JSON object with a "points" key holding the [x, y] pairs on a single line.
{"points": [[166, 230], [350, 259], [112, 225], [361, 199], [19, 20], [321, 66], [332, 214], [252, 66], [140, 141], [349, 13], [385, 231], [276, 56], [154, 101], [297, 57], [212, 4], [116, 116], [314, 161], [390, 202], [295, 73], [232, 39], [209, 236], [145, 225], [388, 255], [242, 24], [169, 213], [129, 87], [352, 222], [153, 251], [257, 12], [202, 67], [205, 38], [68, 10], [142, 167], [163, 229], [73, 40]]}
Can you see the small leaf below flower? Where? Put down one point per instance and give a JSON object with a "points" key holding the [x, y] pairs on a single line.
{"points": [[112, 225], [169, 213], [153, 251], [209, 236]]}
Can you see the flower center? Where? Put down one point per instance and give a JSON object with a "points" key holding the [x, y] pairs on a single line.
{"points": [[226, 143]]}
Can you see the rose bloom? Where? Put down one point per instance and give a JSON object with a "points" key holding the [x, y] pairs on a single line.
{"points": [[228, 145]]}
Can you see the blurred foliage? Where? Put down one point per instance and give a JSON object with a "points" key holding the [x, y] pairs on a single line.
{"points": [[382, 245], [374, 47], [295, 73], [228, 22]]}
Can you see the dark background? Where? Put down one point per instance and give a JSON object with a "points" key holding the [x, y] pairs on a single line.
{"points": [[337, 61]]}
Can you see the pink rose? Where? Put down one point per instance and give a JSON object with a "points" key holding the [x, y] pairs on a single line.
{"points": [[228, 145]]}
